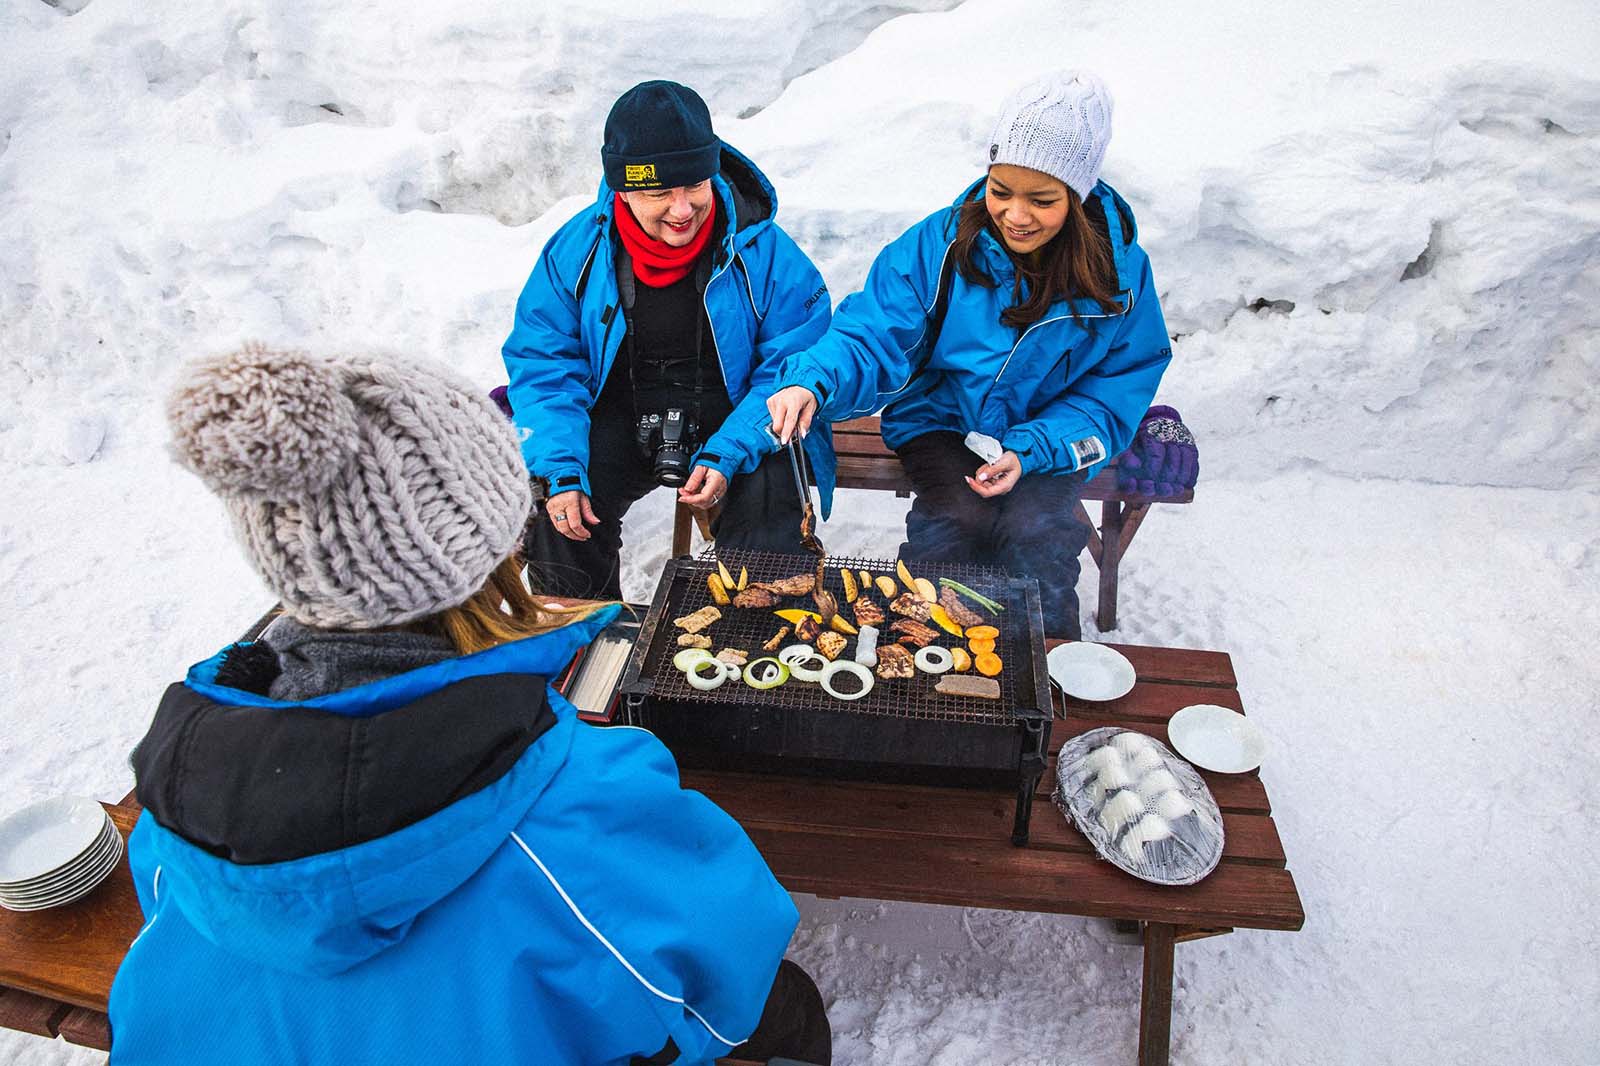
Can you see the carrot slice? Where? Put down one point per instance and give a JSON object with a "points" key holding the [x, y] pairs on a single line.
{"points": [[988, 664], [983, 633], [980, 646]]}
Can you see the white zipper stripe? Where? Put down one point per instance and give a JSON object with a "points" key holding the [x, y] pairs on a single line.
{"points": [[155, 893], [573, 907]]}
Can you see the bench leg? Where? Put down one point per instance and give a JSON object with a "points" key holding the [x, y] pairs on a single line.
{"points": [[1110, 558], [1155, 1004]]}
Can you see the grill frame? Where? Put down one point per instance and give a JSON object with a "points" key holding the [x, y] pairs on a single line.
{"points": [[901, 731]]}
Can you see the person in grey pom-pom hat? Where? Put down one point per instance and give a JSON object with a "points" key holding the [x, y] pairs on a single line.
{"points": [[1025, 313], [367, 492]]}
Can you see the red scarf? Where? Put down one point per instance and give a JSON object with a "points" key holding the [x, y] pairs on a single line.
{"points": [[657, 263]]}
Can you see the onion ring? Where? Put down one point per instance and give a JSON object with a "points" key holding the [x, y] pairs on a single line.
{"points": [[699, 681], [934, 659], [773, 681], [845, 666], [686, 659], [795, 656]]}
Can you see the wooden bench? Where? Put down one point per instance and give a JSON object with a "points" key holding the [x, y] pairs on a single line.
{"points": [[838, 839], [865, 462]]}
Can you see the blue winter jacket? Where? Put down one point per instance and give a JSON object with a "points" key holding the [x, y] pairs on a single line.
{"points": [[581, 908], [1065, 395], [764, 301]]}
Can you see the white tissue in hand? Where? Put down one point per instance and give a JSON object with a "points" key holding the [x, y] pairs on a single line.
{"points": [[984, 446]]}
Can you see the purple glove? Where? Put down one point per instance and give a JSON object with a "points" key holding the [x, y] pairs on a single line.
{"points": [[498, 395], [1163, 459]]}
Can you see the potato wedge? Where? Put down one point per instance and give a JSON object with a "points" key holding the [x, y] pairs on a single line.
{"points": [[887, 587], [925, 589], [850, 589], [719, 591]]}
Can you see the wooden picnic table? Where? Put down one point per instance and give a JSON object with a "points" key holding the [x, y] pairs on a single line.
{"points": [[903, 843]]}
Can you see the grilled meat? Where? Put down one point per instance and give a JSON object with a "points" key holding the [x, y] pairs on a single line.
{"points": [[831, 644], [919, 634], [694, 640], [911, 606], [868, 613], [798, 585], [807, 629], [701, 619], [757, 596], [894, 661], [777, 640], [733, 655], [983, 688], [957, 609]]}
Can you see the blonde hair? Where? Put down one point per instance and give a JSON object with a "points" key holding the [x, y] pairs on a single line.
{"points": [[501, 611]]}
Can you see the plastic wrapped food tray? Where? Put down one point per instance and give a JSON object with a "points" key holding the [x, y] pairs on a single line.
{"points": [[1144, 809]]}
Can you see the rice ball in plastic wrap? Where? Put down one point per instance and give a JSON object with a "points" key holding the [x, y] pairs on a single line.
{"points": [[1144, 809]]}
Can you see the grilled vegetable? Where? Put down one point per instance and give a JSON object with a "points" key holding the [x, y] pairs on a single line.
{"points": [[719, 591], [992, 606], [841, 626], [851, 591], [886, 586], [925, 589], [942, 619], [803, 662], [727, 578], [988, 663], [963, 660], [933, 660], [980, 647], [777, 640], [905, 576], [793, 615], [861, 674], [744, 578], [766, 672], [866, 579], [983, 633], [689, 658], [698, 677]]}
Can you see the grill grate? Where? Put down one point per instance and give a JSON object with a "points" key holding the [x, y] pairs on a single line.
{"points": [[749, 628]]}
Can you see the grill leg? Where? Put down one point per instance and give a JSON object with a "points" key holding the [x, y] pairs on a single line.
{"points": [[1028, 775]]}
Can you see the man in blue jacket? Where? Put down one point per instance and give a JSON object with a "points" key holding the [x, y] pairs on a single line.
{"points": [[647, 340]]}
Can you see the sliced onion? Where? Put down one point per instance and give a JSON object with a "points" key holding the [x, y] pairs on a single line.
{"points": [[799, 657], [845, 666], [778, 674], [933, 659], [700, 681], [688, 658]]}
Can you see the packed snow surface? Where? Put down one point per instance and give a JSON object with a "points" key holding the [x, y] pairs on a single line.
{"points": [[1376, 231]]}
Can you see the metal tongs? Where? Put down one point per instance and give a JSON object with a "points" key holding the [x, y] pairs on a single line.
{"points": [[827, 606]]}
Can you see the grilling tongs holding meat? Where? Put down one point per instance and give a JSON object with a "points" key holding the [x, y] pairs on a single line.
{"points": [[827, 606]]}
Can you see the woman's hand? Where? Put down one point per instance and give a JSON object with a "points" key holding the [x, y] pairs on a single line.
{"points": [[792, 410], [996, 478], [569, 511], [704, 489]]}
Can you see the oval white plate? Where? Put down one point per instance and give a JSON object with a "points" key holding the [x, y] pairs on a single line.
{"points": [[1217, 738], [47, 835], [1090, 671]]}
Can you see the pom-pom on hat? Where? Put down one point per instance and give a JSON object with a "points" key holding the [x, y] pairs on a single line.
{"points": [[367, 491], [659, 136], [1059, 124]]}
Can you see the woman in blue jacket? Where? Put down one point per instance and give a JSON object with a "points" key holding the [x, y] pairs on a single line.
{"points": [[647, 340], [377, 834], [1024, 312]]}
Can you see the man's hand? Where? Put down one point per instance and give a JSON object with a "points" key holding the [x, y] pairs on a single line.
{"points": [[996, 478], [569, 511], [792, 410], [705, 487]]}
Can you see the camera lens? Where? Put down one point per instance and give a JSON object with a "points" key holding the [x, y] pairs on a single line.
{"points": [[672, 466]]}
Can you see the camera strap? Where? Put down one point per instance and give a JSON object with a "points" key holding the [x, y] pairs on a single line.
{"points": [[628, 292]]}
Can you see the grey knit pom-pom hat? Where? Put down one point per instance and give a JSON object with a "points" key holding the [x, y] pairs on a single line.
{"points": [[367, 491]]}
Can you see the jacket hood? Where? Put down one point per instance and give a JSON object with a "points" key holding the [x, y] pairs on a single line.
{"points": [[743, 192], [1108, 212], [323, 912]]}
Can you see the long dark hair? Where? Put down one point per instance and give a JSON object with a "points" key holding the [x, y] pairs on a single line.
{"points": [[1075, 264]]}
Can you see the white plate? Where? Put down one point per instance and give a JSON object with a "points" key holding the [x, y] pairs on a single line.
{"points": [[1217, 738], [96, 855], [86, 883], [47, 836], [1090, 671]]}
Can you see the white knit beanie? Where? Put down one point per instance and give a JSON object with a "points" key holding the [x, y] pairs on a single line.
{"points": [[1060, 125], [368, 492]]}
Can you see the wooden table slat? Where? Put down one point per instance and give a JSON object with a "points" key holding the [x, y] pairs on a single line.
{"points": [[962, 873], [87, 1028], [29, 1013], [1151, 700]]}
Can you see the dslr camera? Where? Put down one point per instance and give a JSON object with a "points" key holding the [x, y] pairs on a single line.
{"points": [[667, 440]]}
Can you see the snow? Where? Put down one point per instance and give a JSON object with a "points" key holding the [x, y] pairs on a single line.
{"points": [[1376, 229]]}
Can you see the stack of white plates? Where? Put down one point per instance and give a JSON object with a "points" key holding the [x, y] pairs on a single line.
{"points": [[54, 852]]}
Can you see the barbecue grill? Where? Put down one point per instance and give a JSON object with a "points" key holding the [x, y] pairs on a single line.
{"points": [[900, 731]]}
